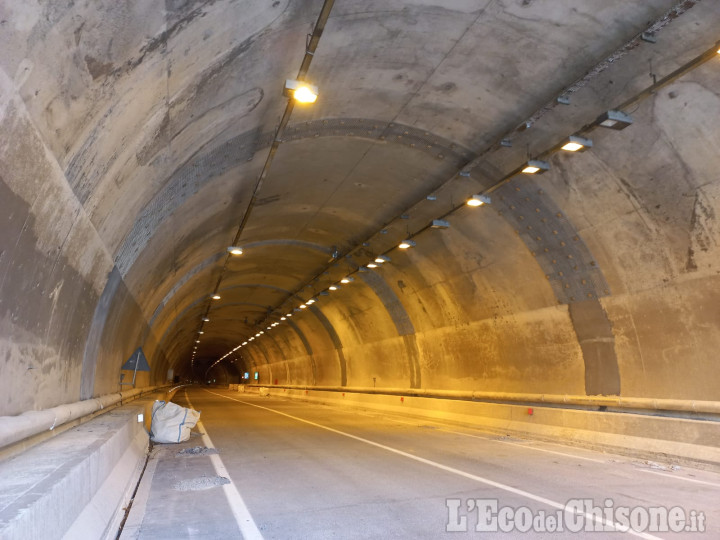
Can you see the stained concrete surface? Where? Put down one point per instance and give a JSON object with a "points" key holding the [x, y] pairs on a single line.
{"points": [[301, 481]]}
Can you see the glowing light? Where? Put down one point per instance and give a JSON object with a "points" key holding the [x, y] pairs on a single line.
{"points": [[216, 297]]}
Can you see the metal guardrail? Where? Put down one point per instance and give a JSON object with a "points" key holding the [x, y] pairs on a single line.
{"points": [[616, 402]]}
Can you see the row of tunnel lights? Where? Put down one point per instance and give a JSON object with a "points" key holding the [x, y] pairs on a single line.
{"points": [[614, 119], [611, 119]]}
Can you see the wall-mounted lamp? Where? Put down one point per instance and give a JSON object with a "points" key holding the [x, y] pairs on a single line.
{"points": [[302, 306], [478, 200], [215, 297], [332, 288], [372, 265], [235, 250], [382, 259], [347, 279], [205, 319], [577, 144], [311, 301], [200, 332], [614, 120], [439, 224], [301, 91], [536, 166], [405, 244]]}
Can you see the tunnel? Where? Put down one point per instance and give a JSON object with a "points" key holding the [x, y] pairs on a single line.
{"points": [[491, 230]]}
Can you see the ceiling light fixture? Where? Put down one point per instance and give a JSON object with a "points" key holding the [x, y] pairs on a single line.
{"points": [[302, 306], [235, 250], [347, 279], [577, 144], [372, 265], [405, 244], [215, 297], [382, 259], [332, 288], [288, 315], [301, 91], [311, 301], [439, 224], [478, 200], [536, 166], [614, 120], [205, 319], [283, 318]]}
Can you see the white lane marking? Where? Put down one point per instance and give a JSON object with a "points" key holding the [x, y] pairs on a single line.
{"points": [[523, 446], [440, 427], [247, 525], [680, 478], [504, 487]]}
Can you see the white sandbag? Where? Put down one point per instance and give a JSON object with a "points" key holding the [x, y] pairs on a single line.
{"points": [[172, 423]]}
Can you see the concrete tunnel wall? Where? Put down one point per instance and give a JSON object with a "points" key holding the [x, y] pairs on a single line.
{"points": [[124, 172]]}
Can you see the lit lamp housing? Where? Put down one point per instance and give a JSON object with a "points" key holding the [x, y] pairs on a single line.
{"points": [[300, 91], [348, 279], [536, 166], [235, 250], [405, 244], [478, 200], [614, 120], [577, 144], [382, 259]]}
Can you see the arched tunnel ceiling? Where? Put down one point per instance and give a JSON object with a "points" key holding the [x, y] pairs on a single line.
{"points": [[162, 117]]}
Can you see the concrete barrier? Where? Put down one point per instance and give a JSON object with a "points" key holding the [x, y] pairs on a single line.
{"points": [[75, 484]]}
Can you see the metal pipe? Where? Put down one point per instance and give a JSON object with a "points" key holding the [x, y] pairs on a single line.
{"points": [[16, 428]]}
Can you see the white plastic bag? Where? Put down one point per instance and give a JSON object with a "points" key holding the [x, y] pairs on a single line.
{"points": [[172, 423]]}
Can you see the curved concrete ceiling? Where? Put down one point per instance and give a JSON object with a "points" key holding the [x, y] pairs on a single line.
{"points": [[134, 136]]}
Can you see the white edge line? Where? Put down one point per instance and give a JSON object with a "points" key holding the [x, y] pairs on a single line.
{"points": [[680, 478], [528, 447], [247, 524], [504, 487]]}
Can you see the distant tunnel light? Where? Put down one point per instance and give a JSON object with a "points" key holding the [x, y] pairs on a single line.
{"points": [[382, 259], [205, 319], [288, 314], [302, 92], [614, 120], [332, 288], [347, 279], [235, 250], [197, 341], [577, 144], [302, 306], [215, 297], [536, 166], [405, 244], [311, 301], [478, 200], [372, 265]]}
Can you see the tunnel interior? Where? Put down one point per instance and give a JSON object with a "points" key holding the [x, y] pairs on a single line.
{"points": [[136, 144]]}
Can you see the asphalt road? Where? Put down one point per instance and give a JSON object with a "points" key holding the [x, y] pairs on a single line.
{"points": [[289, 469]]}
